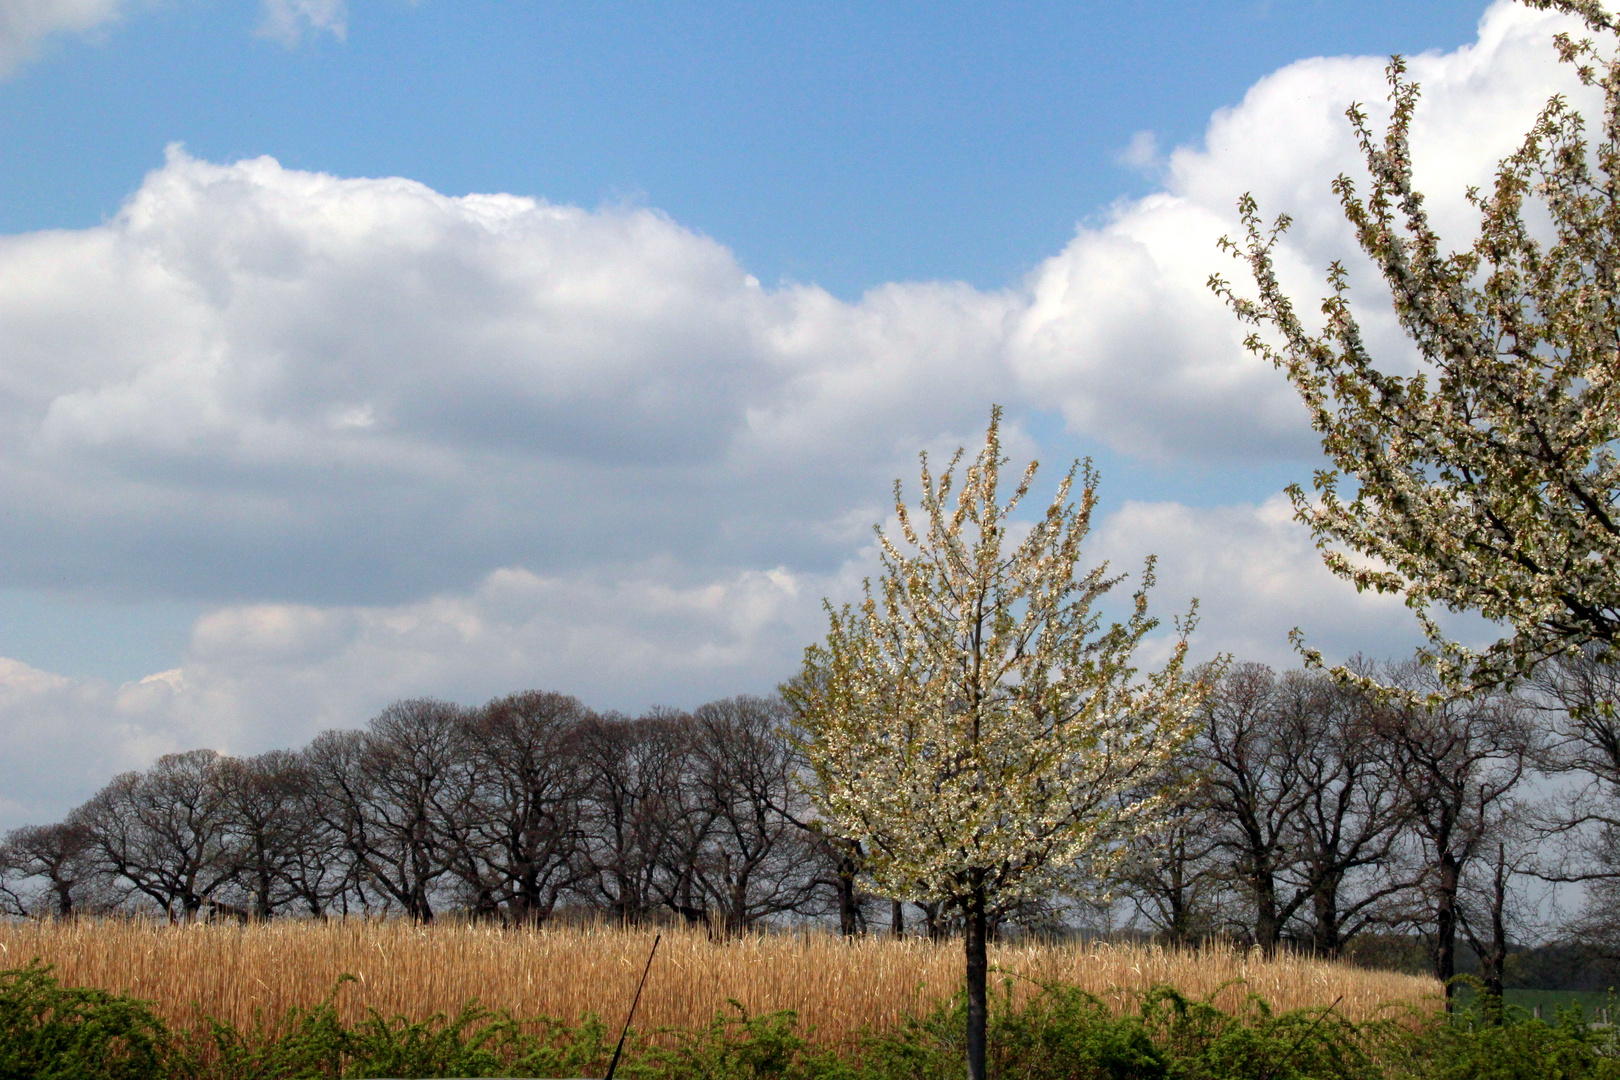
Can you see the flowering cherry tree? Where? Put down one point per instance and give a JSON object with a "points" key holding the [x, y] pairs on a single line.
{"points": [[1487, 480], [971, 723]]}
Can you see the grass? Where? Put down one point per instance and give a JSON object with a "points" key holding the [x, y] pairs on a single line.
{"points": [[1552, 1002], [836, 988]]}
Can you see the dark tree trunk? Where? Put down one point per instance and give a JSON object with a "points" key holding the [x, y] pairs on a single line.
{"points": [[1492, 952], [977, 979], [1326, 937], [849, 899], [1445, 925], [1495, 959], [1267, 924], [897, 919]]}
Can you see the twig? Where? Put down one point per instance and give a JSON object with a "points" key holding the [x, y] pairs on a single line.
{"points": [[617, 1050]]}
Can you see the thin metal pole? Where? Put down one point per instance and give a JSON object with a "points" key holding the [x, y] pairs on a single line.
{"points": [[617, 1050]]}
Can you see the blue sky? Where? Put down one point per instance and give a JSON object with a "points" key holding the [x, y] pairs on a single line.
{"points": [[290, 426], [837, 143]]}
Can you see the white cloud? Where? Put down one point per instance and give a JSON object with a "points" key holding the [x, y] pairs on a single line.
{"points": [[1141, 153], [1257, 575], [258, 382], [1123, 333], [287, 21], [24, 24], [407, 443]]}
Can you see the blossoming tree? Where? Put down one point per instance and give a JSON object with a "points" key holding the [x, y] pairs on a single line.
{"points": [[1486, 480], [972, 724]]}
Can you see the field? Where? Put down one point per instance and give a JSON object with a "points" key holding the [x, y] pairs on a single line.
{"points": [[1551, 1002], [838, 987]]}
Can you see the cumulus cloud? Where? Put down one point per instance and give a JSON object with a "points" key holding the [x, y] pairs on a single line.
{"points": [[1124, 335], [408, 443], [24, 24], [261, 382], [1256, 575]]}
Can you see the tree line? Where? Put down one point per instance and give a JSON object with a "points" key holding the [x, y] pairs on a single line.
{"points": [[508, 811], [1308, 814]]}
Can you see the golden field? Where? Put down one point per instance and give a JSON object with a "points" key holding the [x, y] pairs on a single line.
{"points": [[837, 986]]}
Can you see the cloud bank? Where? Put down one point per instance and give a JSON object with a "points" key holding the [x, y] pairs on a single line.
{"points": [[403, 442]]}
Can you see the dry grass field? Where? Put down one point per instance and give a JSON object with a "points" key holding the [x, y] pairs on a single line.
{"points": [[839, 987]]}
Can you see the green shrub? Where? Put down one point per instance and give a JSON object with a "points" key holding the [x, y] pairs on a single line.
{"points": [[1491, 1043], [54, 1032]]}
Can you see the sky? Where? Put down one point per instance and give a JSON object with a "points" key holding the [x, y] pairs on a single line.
{"points": [[351, 352]]}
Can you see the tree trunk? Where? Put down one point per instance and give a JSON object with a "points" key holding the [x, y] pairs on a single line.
{"points": [[1267, 926], [897, 918], [1497, 959], [1325, 937], [1445, 925], [1493, 955], [849, 900], [977, 977]]}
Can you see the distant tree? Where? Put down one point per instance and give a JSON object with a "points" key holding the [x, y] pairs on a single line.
{"points": [[1178, 878], [164, 834], [273, 841], [633, 815], [58, 856], [522, 843], [971, 724], [757, 861], [1254, 794], [1578, 695], [1300, 802], [1488, 480], [1354, 808], [394, 800], [1461, 764]]}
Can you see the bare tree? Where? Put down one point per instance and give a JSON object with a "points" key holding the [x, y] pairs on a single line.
{"points": [[1255, 794], [57, 855], [522, 844], [1352, 810], [276, 848], [340, 797], [1460, 761], [1178, 879], [1300, 797], [633, 770], [755, 859], [393, 798], [164, 834]]}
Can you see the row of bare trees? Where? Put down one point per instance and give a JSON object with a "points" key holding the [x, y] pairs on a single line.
{"points": [[1316, 813], [507, 812]]}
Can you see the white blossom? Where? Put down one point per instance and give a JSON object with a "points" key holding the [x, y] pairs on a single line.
{"points": [[1488, 480]]}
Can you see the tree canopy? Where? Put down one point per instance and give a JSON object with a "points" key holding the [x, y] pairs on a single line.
{"points": [[971, 723], [1487, 480]]}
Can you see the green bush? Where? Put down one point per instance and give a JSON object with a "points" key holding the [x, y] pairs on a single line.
{"points": [[1488, 1042], [54, 1032]]}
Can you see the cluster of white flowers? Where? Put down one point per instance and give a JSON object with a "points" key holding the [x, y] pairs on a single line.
{"points": [[971, 723], [1488, 481]]}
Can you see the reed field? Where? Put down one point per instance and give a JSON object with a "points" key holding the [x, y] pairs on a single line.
{"points": [[838, 987]]}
